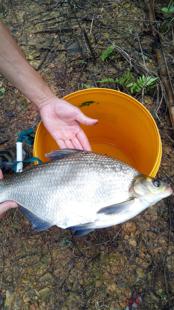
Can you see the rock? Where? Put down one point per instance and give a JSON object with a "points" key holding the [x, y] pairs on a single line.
{"points": [[148, 100], [9, 298], [44, 293], [170, 263], [140, 273], [133, 242], [26, 299], [10, 114], [30, 295], [73, 47], [112, 287], [129, 228], [47, 278], [98, 283]]}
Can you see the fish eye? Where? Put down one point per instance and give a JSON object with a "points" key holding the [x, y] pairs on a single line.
{"points": [[156, 183]]}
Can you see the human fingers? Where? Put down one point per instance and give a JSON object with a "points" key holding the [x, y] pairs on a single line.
{"points": [[82, 138], [83, 119], [76, 143]]}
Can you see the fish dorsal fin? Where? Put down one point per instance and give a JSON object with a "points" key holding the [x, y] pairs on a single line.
{"points": [[117, 208], [59, 154], [37, 223]]}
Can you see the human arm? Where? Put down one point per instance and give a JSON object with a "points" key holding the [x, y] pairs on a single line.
{"points": [[61, 119]]}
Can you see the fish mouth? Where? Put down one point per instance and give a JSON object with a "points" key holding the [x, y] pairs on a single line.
{"points": [[169, 190]]}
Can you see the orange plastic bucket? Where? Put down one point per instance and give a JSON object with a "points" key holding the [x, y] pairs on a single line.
{"points": [[126, 130]]}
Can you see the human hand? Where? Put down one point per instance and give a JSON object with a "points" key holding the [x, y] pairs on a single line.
{"points": [[4, 206], [63, 120]]}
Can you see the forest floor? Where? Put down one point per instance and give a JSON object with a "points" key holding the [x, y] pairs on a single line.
{"points": [[113, 268]]}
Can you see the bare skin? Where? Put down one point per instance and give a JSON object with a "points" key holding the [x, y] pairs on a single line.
{"points": [[61, 119]]}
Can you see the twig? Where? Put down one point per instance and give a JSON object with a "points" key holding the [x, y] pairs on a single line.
{"points": [[92, 22], [133, 62], [43, 21], [142, 54], [171, 140], [46, 55], [54, 30], [142, 95], [162, 97], [83, 31], [88, 43]]}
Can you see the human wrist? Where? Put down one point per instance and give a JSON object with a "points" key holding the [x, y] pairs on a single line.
{"points": [[46, 101], [41, 100]]}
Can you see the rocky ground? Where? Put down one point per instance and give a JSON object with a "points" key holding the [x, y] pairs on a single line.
{"points": [[112, 268]]}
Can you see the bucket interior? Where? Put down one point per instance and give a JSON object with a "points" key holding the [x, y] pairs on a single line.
{"points": [[125, 129]]}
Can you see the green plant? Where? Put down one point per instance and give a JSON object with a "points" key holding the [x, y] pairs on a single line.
{"points": [[124, 80], [2, 91], [107, 52], [143, 82], [135, 86], [168, 12], [107, 80], [84, 85], [168, 9]]}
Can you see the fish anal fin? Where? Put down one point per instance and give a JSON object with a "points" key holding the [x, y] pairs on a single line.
{"points": [[81, 230]]}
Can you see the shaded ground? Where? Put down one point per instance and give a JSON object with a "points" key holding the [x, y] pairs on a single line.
{"points": [[52, 270]]}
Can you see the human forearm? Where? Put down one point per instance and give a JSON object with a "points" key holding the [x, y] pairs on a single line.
{"points": [[61, 119], [18, 71]]}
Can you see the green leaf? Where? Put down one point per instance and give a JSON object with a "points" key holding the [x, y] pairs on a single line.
{"points": [[146, 81], [143, 82], [168, 10], [128, 81], [2, 91], [125, 79], [107, 52], [107, 80], [83, 85], [130, 85]]}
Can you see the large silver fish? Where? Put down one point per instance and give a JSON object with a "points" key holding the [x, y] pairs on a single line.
{"points": [[82, 191]]}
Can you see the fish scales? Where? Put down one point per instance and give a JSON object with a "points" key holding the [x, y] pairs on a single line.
{"points": [[82, 191], [84, 180]]}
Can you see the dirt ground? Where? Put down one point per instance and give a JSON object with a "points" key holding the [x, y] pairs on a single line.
{"points": [[112, 268]]}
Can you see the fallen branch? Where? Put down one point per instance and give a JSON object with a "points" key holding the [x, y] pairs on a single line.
{"points": [[161, 61]]}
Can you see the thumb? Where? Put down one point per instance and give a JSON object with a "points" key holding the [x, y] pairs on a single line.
{"points": [[83, 119], [5, 206], [1, 175]]}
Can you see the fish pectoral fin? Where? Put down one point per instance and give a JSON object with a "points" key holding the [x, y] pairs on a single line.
{"points": [[37, 223], [81, 230], [117, 208], [59, 154]]}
